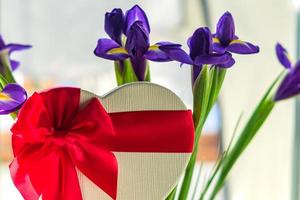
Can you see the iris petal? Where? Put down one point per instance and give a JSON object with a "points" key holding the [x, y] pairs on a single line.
{"points": [[12, 98], [155, 54], [214, 59], [283, 56], [114, 24], [226, 28], [241, 47], [137, 42], [168, 51], [2, 43], [137, 45], [14, 64], [290, 85], [200, 43], [109, 49], [16, 47], [136, 13]]}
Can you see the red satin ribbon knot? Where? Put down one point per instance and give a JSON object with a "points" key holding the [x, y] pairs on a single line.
{"points": [[53, 136]]}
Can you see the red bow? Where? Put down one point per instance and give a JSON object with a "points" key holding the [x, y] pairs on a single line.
{"points": [[53, 136]]}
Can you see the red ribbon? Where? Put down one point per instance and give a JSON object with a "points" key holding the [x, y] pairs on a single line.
{"points": [[53, 136]]}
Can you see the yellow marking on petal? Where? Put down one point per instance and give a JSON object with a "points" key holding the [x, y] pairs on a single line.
{"points": [[216, 40], [238, 41], [154, 47], [118, 50], [5, 97]]}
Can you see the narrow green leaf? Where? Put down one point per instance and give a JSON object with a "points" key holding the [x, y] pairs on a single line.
{"points": [[201, 93], [219, 163], [201, 90], [254, 123], [217, 76]]}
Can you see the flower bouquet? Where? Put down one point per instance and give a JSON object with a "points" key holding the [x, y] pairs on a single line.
{"points": [[210, 56]]}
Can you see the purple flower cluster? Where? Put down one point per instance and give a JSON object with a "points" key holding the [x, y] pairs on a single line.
{"points": [[135, 27], [205, 48], [12, 95]]}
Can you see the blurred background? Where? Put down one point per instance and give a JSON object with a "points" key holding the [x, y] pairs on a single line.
{"points": [[64, 35]]}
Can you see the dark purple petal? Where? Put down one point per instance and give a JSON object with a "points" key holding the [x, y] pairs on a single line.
{"points": [[157, 55], [167, 51], [2, 43], [16, 47], [241, 47], [200, 43], [14, 64], [214, 59], [227, 64], [114, 24], [137, 45], [283, 56], [195, 72], [12, 97], [137, 42], [290, 85], [226, 29], [136, 13], [109, 49]]}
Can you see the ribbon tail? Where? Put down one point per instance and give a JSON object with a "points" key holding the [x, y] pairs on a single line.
{"points": [[63, 183], [100, 167], [22, 181], [53, 178]]}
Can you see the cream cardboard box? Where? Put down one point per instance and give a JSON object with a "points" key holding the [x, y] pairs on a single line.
{"points": [[141, 175]]}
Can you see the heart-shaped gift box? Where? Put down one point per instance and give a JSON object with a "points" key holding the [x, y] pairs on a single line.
{"points": [[148, 144]]}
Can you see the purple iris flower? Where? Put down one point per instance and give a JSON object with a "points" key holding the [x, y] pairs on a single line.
{"points": [[12, 97], [9, 48], [290, 85], [226, 40], [201, 52], [137, 47]]}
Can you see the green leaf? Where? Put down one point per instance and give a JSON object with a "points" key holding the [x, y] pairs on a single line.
{"points": [[201, 93], [258, 117], [219, 162], [217, 76], [201, 90]]}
